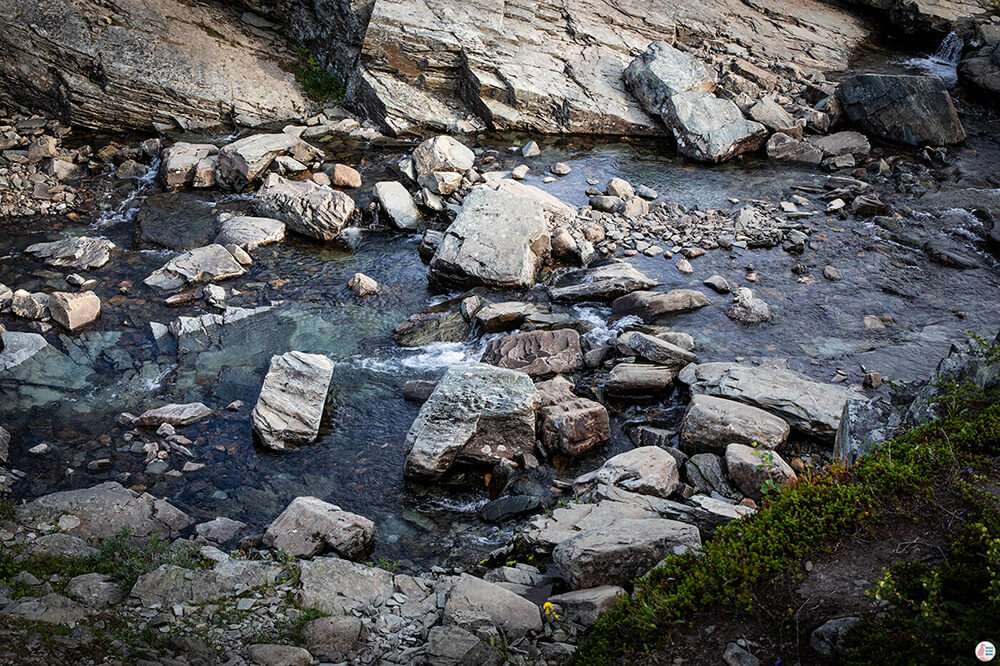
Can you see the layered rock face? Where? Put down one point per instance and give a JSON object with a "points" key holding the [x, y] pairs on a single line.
{"points": [[148, 61], [557, 66]]}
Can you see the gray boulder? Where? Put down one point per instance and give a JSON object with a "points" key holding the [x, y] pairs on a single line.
{"points": [[982, 69], [250, 232], [204, 264], [587, 606], [173, 414], [103, 511], [783, 148], [479, 414], [710, 423], [94, 590], [452, 645], [772, 115], [81, 252], [573, 426], [914, 110], [709, 129], [706, 473], [514, 615], [397, 205], [808, 406], [290, 407], [498, 240], [309, 526], [638, 380], [751, 468], [336, 586], [601, 283], [655, 349], [828, 638], [647, 470], [649, 305], [662, 72], [169, 584], [51, 609], [332, 638], [442, 153], [306, 207], [841, 143], [618, 553], [267, 654], [537, 353]]}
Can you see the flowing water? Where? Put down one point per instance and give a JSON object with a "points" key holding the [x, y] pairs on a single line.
{"points": [[943, 62], [71, 395]]}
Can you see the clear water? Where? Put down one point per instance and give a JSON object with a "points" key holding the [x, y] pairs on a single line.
{"points": [[943, 62], [71, 395]]}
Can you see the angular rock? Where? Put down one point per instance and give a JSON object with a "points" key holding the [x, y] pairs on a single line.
{"points": [[336, 586], [189, 165], [828, 638], [772, 115], [452, 645], [362, 285], [751, 468], [747, 308], [514, 615], [309, 526], [600, 283], [478, 413], [307, 208], [290, 407], [250, 232], [433, 325], [649, 305], [442, 153], [204, 264], [342, 175], [51, 609], [842, 143], [279, 655], [647, 470], [4, 446], [710, 129], [506, 316], [173, 414], [810, 407], [982, 69], [104, 510], [497, 240], [587, 606], [73, 311], [617, 554], [915, 110], [397, 204], [94, 590], [784, 148], [169, 584], [537, 353], [30, 305], [639, 380], [706, 473], [656, 349], [58, 545], [81, 252], [574, 426], [332, 638], [662, 72], [244, 160], [220, 530], [711, 423]]}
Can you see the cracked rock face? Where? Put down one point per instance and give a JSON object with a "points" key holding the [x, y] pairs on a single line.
{"points": [[290, 406], [104, 510], [158, 61]]}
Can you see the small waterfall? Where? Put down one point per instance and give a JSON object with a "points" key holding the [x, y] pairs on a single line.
{"points": [[943, 62], [950, 50]]}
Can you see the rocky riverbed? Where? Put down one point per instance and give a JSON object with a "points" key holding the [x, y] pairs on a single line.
{"points": [[440, 400]]}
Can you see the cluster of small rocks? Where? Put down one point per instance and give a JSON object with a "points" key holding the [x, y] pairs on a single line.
{"points": [[37, 174]]}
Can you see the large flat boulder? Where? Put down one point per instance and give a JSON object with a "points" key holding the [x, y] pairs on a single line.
{"points": [[168, 62], [81, 252], [650, 305], [250, 232], [290, 407], [914, 110], [537, 353], [811, 407], [478, 414], [623, 551], [497, 240], [204, 264], [601, 283], [103, 511], [336, 586], [397, 205], [510, 612], [307, 208], [243, 161], [309, 526], [710, 423]]}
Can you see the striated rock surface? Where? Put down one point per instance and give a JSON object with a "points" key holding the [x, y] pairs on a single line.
{"points": [[204, 264], [156, 62], [537, 353], [306, 207], [309, 526], [80, 252], [290, 406]]}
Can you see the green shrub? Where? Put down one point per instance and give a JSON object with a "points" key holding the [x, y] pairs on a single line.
{"points": [[319, 84]]}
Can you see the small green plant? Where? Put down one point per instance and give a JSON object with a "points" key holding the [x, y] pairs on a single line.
{"points": [[319, 84], [6, 510], [387, 564], [212, 32]]}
